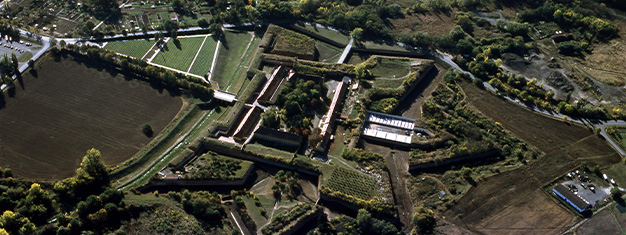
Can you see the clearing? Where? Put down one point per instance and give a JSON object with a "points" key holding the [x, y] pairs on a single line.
{"points": [[520, 200], [55, 117], [235, 52]]}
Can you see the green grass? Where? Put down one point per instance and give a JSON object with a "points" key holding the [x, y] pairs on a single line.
{"points": [[388, 68], [179, 58], [327, 53], [245, 165], [617, 172], [132, 48], [382, 46], [264, 150], [332, 35], [229, 72], [25, 57], [353, 183], [202, 65], [619, 136], [288, 41]]}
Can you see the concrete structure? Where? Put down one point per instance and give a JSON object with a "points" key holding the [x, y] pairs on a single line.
{"points": [[224, 96], [578, 203], [269, 93], [329, 118], [388, 128], [277, 137]]}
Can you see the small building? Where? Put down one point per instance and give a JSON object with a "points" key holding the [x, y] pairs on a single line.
{"points": [[388, 128], [329, 118], [224, 96], [578, 203], [277, 137]]}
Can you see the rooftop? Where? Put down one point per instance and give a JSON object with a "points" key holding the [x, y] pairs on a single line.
{"points": [[224, 96], [574, 200]]}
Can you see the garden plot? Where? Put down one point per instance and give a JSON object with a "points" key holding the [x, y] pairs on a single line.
{"points": [[133, 48], [179, 54]]}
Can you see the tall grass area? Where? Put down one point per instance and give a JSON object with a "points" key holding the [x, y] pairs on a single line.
{"points": [[132, 48], [179, 55], [330, 34], [229, 72]]}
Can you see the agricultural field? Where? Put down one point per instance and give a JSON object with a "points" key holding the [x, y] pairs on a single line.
{"points": [[133, 48], [353, 183], [65, 107], [235, 54], [203, 62], [566, 146], [179, 55]]}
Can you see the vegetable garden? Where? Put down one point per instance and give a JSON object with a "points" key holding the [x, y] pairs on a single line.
{"points": [[352, 183], [179, 56], [133, 48]]}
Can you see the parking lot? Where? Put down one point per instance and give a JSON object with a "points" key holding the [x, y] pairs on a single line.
{"points": [[599, 194], [18, 48]]}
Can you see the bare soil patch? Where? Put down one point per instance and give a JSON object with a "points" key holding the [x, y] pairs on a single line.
{"points": [[605, 222], [54, 117], [433, 24], [513, 202]]}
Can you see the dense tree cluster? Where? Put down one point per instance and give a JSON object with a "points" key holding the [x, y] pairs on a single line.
{"points": [[203, 205], [214, 167], [286, 182], [298, 102]]}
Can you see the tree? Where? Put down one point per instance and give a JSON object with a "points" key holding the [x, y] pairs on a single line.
{"points": [[362, 71], [147, 130], [356, 34], [170, 26], [7, 172], [424, 220], [203, 23], [270, 118], [616, 193], [14, 62]]}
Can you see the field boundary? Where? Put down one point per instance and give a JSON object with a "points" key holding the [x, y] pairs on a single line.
{"points": [[217, 49], [196, 56]]}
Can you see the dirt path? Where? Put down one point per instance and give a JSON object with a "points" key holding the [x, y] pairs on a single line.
{"points": [[398, 165], [411, 107]]}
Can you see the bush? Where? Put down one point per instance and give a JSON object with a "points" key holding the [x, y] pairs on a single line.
{"points": [[147, 130]]}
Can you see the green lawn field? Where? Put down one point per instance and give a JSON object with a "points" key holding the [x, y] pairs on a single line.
{"points": [[202, 65], [133, 48], [228, 72], [179, 55]]}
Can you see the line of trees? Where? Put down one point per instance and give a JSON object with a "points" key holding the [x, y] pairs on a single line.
{"points": [[175, 81]]}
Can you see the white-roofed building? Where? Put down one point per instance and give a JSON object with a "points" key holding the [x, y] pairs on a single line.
{"points": [[390, 128]]}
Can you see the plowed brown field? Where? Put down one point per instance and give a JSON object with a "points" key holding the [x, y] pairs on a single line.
{"points": [[54, 117]]}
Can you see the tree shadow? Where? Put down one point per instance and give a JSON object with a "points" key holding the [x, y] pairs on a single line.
{"points": [[34, 73], [20, 81], [2, 100], [177, 44], [11, 92]]}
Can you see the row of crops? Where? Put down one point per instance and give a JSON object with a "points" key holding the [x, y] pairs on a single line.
{"points": [[352, 183], [178, 54], [133, 48], [202, 65]]}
